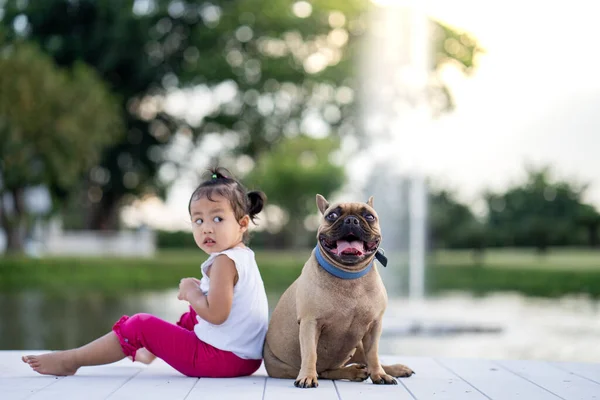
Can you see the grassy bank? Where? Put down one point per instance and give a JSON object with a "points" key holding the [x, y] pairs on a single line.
{"points": [[532, 282], [556, 259], [112, 274], [558, 273]]}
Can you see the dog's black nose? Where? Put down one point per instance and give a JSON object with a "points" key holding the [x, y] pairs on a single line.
{"points": [[351, 220]]}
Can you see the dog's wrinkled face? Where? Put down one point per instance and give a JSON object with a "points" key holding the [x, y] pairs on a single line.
{"points": [[349, 233]]}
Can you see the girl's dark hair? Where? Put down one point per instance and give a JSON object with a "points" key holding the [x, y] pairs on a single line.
{"points": [[218, 181]]}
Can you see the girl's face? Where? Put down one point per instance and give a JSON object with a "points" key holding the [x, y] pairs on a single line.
{"points": [[214, 225]]}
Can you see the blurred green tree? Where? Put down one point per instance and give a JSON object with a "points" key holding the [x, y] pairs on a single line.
{"points": [[265, 65], [452, 224], [589, 218], [54, 125], [539, 213], [292, 173]]}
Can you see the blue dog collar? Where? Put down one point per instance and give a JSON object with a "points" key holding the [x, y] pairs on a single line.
{"points": [[335, 271]]}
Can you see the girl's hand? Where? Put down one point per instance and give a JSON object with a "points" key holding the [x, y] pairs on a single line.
{"points": [[186, 287], [215, 306]]}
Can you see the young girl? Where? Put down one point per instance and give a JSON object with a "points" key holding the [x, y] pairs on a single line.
{"points": [[223, 333]]}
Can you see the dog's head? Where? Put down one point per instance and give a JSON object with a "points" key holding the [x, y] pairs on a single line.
{"points": [[349, 233]]}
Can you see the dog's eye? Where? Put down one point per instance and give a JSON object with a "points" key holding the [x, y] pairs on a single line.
{"points": [[332, 216], [370, 217]]}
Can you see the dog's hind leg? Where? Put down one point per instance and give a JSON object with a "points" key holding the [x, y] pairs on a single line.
{"points": [[277, 368], [359, 356], [354, 372], [395, 370]]}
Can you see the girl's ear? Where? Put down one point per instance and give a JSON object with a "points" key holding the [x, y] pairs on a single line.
{"points": [[245, 222]]}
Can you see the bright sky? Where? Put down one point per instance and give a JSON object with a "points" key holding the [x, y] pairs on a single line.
{"points": [[535, 97]]}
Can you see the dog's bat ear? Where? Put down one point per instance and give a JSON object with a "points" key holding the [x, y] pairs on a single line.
{"points": [[370, 202], [322, 204]]}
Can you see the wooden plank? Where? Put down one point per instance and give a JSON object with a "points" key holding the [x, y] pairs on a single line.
{"points": [[495, 382], [20, 387], [586, 370], [276, 389], [367, 390], [432, 381], [262, 371], [158, 381], [284, 389], [247, 387], [17, 379], [435, 379], [560, 382], [90, 383]]}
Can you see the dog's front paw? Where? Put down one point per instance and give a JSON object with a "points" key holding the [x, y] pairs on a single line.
{"points": [[383, 379], [308, 381]]}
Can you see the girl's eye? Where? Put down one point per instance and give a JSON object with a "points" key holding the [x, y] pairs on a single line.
{"points": [[217, 219], [198, 221], [370, 217], [332, 216]]}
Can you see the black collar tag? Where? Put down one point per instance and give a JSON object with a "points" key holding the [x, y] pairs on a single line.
{"points": [[381, 257]]}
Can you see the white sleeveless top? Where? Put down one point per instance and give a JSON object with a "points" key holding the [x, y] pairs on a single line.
{"points": [[243, 333]]}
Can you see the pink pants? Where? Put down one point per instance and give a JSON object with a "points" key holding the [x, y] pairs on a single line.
{"points": [[179, 346]]}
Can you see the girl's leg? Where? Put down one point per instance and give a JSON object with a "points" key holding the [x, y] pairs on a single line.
{"points": [[177, 346], [107, 349], [104, 350], [143, 356], [187, 321]]}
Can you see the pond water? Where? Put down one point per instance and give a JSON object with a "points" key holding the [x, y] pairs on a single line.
{"points": [[497, 326]]}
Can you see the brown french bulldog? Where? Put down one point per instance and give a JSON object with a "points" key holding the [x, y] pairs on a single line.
{"points": [[327, 324]]}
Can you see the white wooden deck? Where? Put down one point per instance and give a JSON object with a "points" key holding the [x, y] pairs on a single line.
{"points": [[435, 379]]}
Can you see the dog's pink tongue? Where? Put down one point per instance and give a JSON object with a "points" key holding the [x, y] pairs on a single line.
{"points": [[353, 247]]}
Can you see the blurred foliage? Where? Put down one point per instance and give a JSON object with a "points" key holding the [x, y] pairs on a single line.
{"points": [[175, 240], [539, 212], [283, 65], [263, 240], [54, 124], [451, 223], [454, 47], [292, 173]]}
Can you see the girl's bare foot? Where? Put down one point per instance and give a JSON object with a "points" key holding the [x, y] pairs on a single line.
{"points": [[144, 356], [57, 363]]}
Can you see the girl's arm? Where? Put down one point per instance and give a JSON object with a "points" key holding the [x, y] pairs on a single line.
{"points": [[216, 306]]}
